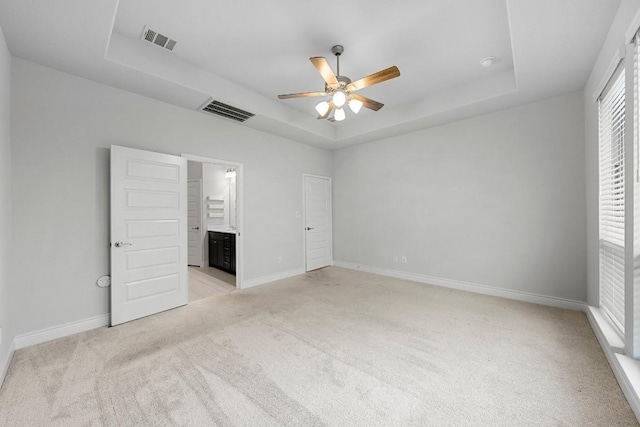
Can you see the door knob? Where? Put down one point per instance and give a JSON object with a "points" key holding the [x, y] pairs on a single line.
{"points": [[120, 244], [309, 228], [195, 228]]}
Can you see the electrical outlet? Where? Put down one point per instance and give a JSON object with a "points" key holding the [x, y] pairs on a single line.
{"points": [[0, 334], [395, 258], [298, 214], [279, 259], [404, 259]]}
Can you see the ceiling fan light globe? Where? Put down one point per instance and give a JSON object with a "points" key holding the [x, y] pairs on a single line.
{"points": [[339, 115], [355, 105], [322, 108], [339, 98]]}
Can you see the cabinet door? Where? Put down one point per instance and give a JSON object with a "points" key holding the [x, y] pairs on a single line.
{"points": [[216, 249], [212, 249], [227, 252], [233, 254], [222, 251], [219, 245]]}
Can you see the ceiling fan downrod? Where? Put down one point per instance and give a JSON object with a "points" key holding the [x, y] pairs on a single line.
{"points": [[337, 51]]}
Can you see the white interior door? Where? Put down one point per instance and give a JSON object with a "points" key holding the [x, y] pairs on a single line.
{"points": [[317, 219], [148, 233], [194, 222]]}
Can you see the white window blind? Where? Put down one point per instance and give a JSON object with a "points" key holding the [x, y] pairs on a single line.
{"points": [[612, 116]]}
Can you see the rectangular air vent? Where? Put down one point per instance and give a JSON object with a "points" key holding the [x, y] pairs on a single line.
{"points": [[158, 39], [225, 110]]}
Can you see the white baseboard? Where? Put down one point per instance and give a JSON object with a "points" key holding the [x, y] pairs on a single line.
{"points": [[469, 287], [6, 361], [272, 278], [626, 369], [54, 332]]}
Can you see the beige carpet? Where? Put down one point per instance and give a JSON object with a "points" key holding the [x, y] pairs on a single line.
{"points": [[334, 347]]}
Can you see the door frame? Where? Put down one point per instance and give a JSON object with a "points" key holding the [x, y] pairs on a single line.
{"points": [[304, 216], [239, 210], [202, 235]]}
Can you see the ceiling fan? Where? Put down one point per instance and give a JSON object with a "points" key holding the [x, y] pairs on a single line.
{"points": [[341, 89]]}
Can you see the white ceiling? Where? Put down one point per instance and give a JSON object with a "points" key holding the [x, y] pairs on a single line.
{"points": [[245, 53]]}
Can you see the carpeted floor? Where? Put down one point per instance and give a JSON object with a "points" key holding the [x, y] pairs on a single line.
{"points": [[334, 347]]}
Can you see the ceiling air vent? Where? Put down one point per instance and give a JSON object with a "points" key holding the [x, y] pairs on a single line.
{"points": [[221, 109], [158, 39]]}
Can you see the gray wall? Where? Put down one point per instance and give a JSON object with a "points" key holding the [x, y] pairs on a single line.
{"points": [[496, 200], [5, 198], [615, 39], [62, 127], [194, 170]]}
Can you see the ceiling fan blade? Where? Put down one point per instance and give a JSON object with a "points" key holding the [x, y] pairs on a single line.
{"points": [[321, 64], [302, 95], [375, 78], [367, 102], [325, 115]]}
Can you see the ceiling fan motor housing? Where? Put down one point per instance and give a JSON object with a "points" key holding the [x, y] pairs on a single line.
{"points": [[343, 80]]}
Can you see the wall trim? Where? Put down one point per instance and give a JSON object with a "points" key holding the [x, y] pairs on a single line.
{"points": [[611, 69], [469, 287], [633, 28], [6, 361], [54, 332], [625, 369], [272, 278]]}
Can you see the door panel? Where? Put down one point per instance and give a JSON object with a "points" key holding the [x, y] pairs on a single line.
{"points": [[148, 222], [152, 287], [149, 228], [152, 258], [151, 199], [151, 171], [318, 227], [194, 222]]}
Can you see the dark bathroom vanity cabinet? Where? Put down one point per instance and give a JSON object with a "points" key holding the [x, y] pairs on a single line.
{"points": [[222, 251]]}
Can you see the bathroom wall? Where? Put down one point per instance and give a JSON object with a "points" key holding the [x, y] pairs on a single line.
{"points": [[215, 186]]}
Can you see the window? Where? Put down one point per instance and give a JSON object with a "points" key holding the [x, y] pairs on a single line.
{"points": [[612, 230]]}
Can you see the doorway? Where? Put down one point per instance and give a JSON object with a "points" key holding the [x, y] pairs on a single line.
{"points": [[149, 230], [219, 267], [318, 240]]}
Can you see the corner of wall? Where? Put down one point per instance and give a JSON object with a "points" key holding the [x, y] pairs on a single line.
{"points": [[6, 345]]}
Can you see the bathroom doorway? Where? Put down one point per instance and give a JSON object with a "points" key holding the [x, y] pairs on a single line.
{"points": [[214, 219]]}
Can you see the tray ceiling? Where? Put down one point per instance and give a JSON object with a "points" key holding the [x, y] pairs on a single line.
{"points": [[246, 53]]}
